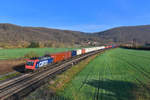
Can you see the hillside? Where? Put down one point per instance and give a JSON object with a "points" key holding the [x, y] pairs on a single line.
{"points": [[13, 34], [140, 34], [18, 36]]}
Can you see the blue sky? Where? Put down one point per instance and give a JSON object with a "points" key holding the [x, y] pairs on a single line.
{"points": [[79, 15]]}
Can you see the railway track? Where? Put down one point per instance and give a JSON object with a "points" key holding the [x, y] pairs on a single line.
{"points": [[16, 88]]}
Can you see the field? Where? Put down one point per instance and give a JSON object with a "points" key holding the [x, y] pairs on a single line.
{"points": [[8, 61], [17, 53], [118, 74]]}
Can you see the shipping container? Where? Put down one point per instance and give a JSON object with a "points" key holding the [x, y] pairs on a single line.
{"points": [[102, 47], [61, 56], [87, 50], [73, 53], [67, 55], [83, 51], [79, 52], [106, 47]]}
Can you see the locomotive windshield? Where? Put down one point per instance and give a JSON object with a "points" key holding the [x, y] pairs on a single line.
{"points": [[30, 63]]}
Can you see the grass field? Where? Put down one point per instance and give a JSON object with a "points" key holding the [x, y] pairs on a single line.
{"points": [[118, 74], [17, 53]]}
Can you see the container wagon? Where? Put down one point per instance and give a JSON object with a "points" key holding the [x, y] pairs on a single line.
{"points": [[61, 56]]}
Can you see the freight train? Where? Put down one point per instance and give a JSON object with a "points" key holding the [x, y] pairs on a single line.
{"points": [[35, 63]]}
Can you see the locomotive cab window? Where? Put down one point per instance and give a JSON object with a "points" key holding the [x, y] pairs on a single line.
{"points": [[30, 63]]}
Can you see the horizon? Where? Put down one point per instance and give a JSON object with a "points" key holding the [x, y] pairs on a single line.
{"points": [[84, 16]]}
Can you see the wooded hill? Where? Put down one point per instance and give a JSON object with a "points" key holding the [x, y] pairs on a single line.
{"points": [[139, 34], [22, 36], [18, 36]]}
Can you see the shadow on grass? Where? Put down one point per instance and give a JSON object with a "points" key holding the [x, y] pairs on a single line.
{"points": [[20, 68], [116, 90]]}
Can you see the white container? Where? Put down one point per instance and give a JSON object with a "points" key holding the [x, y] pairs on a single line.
{"points": [[79, 52], [102, 47]]}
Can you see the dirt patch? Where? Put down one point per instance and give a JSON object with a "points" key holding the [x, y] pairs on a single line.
{"points": [[10, 65]]}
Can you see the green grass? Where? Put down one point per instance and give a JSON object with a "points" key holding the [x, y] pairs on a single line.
{"points": [[61, 80], [118, 74], [17, 53]]}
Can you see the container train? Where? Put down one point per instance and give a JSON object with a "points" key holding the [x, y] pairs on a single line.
{"points": [[35, 63]]}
